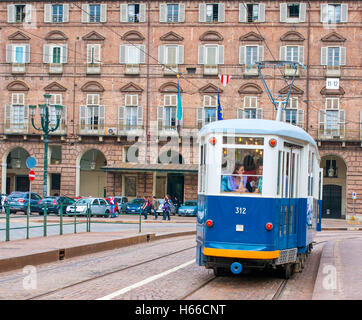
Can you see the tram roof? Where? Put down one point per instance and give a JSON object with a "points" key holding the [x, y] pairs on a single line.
{"points": [[257, 126]]}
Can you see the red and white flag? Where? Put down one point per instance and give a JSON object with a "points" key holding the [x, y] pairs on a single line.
{"points": [[224, 78]]}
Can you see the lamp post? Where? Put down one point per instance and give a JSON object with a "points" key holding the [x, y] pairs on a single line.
{"points": [[46, 128]]}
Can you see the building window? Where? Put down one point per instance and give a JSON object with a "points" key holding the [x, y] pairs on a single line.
{"points": [[250, 107], [210, 104], [332, 116], [19, 12], [251, 54], [293, 10], [131, 111], [94, 13], [57, 13], [18, 111], [93, 53], [172, 12], [19, 54], [253, 12], [133, 13], [170, 111], [333, 56], [55, 154], [211, 55], [212, 12], [292, 53], [334, 13], [331, 169], [130, 186]]}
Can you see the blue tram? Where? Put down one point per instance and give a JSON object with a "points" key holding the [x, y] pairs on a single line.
{"points": [[259, 194]]}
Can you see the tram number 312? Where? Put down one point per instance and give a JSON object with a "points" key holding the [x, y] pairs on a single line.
{"points": [[240, 210]]}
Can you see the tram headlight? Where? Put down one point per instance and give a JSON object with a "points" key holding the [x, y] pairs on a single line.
{"points": [[269, 226], [272, 142], [209, 223]]}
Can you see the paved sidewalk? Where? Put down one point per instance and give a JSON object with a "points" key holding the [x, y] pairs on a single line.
{"points": [[340, 274]]}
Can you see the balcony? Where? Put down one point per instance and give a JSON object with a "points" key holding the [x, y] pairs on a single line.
{"points": [[91, 130], [16, 128], [93, 68], [62, 129], [289, 71], [211, 70], [253, 71], [333, 71], [170, 69], [167, 131], [55, 68], [129, 130], [335, 132], [132, 69], [18, 68]]}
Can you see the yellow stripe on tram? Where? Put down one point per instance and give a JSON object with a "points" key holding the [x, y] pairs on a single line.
{"points": [[241, 253]]}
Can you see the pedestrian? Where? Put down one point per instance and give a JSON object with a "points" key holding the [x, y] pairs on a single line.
{"points": [[165, 209], [1, 203], [112, 200], [145, 207], [177, 204], [155, 205]]}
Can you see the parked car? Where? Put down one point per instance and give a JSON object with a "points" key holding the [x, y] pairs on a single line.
{"points": [[189, 208], [97, 206], [53, 204], [134, 206], [172, 207], [121, 204], [18, 201]]}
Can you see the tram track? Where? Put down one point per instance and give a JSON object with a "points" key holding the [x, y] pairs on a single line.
{"points": [[107, 274]]}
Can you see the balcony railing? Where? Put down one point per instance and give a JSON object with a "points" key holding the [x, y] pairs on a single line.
{"points": [[16, 128], [170, 69], [93, 68], [211, 70], [91, 130], [253, 71], [335, 132], [333, 71], [289, 71], [55, 68], [132, 69], [18, 68]]}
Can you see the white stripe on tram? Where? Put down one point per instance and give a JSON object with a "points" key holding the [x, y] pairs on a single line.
{"points": [[145, 281]]}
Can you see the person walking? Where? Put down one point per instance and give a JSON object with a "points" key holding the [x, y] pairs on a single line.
{"points": [[112, 202], [155, 205], [145, 207], [165, 209]]}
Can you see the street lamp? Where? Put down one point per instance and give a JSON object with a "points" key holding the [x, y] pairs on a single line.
{"points": [[46, 128]]}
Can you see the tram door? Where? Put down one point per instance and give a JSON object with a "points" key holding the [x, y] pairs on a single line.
{"points": [[290, 171]]}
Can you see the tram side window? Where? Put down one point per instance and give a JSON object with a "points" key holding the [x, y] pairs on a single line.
{"points": [[242, 170], [202, 170]]}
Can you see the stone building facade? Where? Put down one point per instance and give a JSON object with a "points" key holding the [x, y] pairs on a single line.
{"points": [[112, 65]]}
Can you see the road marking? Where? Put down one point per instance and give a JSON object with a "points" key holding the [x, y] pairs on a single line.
{"points": [[145, 281]]}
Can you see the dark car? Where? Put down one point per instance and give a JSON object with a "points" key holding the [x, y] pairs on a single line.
{"points": [[18, 201], [54, 203], [134, 206], [189, 208]]}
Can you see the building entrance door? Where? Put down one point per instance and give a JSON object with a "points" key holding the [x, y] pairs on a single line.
{"points": [[175, 186], [332, 200]]}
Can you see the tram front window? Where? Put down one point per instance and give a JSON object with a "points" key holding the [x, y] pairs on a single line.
{"points": [[242, 170]]}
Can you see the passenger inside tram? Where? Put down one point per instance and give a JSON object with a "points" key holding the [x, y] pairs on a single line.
{"points": [[239, 172]]}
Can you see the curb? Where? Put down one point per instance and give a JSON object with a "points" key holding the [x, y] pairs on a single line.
{"points": [[344, 228], [10, 264]]}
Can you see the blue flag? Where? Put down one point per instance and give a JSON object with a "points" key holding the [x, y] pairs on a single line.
{"points": [[219, 109]]}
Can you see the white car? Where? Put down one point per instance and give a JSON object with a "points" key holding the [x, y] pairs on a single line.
{"points": [[97, 206]]}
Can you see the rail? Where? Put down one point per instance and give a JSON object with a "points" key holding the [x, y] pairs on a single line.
{"points": [[87, 220]]}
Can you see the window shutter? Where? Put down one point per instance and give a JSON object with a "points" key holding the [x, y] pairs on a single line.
{"points": [[301, 54], [82, 117], [261, 17], [202, 12], [163, 12], [300, 118], [97, 53], [64, 54], [101, 117], [47, 13], [344, 12], [283, 12], [200, 117], [103, 12], [221, 54], [201, 57], [324, 13], [240, 114], [180, 54], [9, 53], [27, 53], [7, 118], [121, 117], [142, 12], [161, 54], [122, 54], [260, 53], [242, 12], [140, 116], [160, 117], [142, 49], [46, 53], [259, 113], [181, 13], [85, 13], [343, 56], [124, 12], [282, 53], [26, 117], [221, 12], [11, 13], [324, 51], [342, 122], [302, 11], [242, 54], [28, 9], [66, 12], [321, 120]]}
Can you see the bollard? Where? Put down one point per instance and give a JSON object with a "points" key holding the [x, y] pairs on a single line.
{"points": [[27, 220], [139, 223], [75, 218], [45, 221], [61, 219], [7, 212], [88, 213]]}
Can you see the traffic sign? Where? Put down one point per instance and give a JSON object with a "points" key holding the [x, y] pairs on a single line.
{"points": [[30, 162], [31, 175], [354, 195]]}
